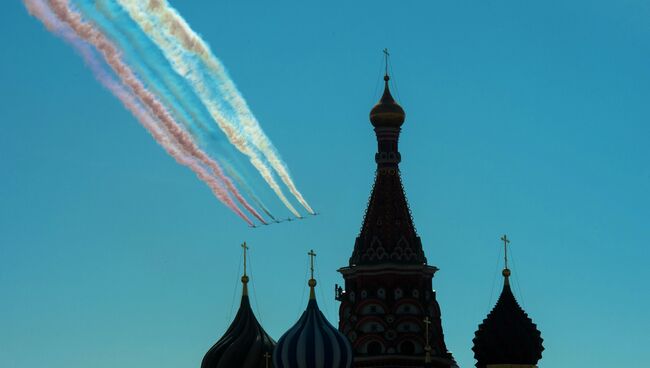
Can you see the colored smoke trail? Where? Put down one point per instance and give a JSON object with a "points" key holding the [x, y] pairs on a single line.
{"points": [[150, 66], [112, 57], [40, 10], [242, 184], [181, 64], [176, 26]]}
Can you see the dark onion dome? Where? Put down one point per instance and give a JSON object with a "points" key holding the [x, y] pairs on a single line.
{"points": [[312, 342], [387, 113], [507, 335], [245, 344]]}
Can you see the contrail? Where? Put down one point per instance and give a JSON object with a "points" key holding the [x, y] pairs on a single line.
{"points": [[182, 66], [176, 26], [40, 10], [232, 172], [170, 88], [112, 57]]}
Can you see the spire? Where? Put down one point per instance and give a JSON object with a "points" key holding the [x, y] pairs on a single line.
{"points": [[507, 336], [387, 234], [312, 280]]}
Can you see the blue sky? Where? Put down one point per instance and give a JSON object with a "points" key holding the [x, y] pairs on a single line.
{"points": [[529, 118]]}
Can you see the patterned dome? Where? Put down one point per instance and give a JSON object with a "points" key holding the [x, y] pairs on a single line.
{"points": [[507, 335], [312, 342], [245, 344]]}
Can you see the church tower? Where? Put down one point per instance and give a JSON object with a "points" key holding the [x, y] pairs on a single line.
{"points": [[388, 309]]}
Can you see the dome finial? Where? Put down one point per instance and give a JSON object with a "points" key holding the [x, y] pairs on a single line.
{"points": [[244, 278], [386, 56], [387, 113], [312, 280], [506, 270]]}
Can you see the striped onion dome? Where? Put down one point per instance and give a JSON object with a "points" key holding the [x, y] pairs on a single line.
{"points": [[245, 344], [312, 342]]}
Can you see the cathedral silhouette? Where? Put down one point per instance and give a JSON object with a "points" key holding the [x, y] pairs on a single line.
{"points": [[388, 315]]}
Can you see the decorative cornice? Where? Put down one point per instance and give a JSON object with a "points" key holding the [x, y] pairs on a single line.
{"points": [[387, 269]]}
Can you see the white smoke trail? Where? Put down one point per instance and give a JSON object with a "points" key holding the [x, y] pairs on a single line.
{"points": [[40, 10], [87, 33], [175, 26], [232, 172], [113, 58], [178, 59]]}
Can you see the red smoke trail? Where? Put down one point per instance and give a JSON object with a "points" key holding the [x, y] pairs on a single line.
{"points": [[41, 10], [177, 27], [87, 32]]}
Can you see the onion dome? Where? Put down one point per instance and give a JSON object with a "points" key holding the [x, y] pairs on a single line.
{"points": [[312, 342], [387, 113], [507, 335], [245, 344]]}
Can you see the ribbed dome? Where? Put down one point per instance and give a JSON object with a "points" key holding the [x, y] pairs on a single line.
{"points": [[245, 343], [387, 113], [312, 343], [507, 335]]}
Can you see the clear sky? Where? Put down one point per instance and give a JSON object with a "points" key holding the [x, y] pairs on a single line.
{"points": [[526, 118]]}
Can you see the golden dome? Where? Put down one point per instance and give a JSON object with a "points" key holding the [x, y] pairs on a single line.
{"points": [[387, 113]]}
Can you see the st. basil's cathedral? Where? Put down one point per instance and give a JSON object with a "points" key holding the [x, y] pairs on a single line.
{"points": [[389, 316]]}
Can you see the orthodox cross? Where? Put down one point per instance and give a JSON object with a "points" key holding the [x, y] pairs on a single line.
{"points": [[427, 348], [267, 356], [245, 247], [506, 241], [427, 323], [311, 262], [386, 55]]}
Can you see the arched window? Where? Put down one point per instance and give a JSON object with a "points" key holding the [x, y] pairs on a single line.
{"points": [[408, 308], [372, 327], [374, 348], [407, 348], [372, 308], [408, 326]]}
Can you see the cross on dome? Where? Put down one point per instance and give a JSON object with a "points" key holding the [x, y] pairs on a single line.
{"points": [[267, 356], [245, 247], [506, 241], [312, 280], [386, 56]]}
